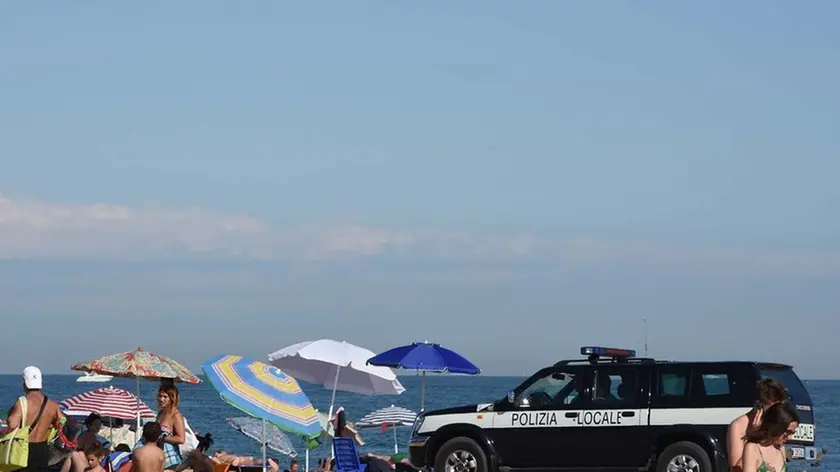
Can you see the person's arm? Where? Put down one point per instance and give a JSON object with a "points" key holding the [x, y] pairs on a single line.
{"points": [[735, 443], [179, 432], [750, 460], [14, 417]]}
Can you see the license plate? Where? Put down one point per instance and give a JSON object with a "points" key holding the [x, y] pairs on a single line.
{"points": [[797, 452]]}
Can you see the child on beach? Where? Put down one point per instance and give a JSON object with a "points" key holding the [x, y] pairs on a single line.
{"points": [[94, 453]]}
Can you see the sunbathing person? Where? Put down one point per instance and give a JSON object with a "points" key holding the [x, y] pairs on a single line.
{"points": [[222, 457]]}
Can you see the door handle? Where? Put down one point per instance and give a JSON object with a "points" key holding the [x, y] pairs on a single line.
{"points": [[628, 413], [572, 414]]}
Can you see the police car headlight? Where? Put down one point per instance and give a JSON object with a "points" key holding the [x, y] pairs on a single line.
{"points": [[418, 423]]}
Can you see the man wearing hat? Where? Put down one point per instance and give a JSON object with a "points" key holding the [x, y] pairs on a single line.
{"points": [[41, 414]]}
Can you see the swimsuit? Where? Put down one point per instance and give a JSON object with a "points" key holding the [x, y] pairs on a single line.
{"points": [[765, 467]]}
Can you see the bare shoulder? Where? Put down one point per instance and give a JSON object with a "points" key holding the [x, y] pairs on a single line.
{"points": [[740, 421]]}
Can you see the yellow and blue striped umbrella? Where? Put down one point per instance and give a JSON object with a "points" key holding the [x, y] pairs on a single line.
{"points": [[263, 391]]}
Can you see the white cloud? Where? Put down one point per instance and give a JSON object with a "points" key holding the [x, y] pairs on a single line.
{"points": [[31, 229]]}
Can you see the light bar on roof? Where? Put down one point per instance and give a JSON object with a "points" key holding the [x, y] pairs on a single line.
{"points": [[606, 351]]}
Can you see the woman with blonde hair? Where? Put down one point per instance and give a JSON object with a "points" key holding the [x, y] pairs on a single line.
{"points": [[171, 423]]}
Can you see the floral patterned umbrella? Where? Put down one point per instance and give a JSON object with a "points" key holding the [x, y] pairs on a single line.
{"points": [[139, 364]]}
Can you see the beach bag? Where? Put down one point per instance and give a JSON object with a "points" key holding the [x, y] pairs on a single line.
{"points": [[14, 445], [190, 440]]}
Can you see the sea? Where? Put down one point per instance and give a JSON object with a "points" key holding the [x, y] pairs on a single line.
{"points": [[205, 411]]}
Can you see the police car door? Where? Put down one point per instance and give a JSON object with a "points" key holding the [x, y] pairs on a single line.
{"points": [[539, 428], [616, 421]]}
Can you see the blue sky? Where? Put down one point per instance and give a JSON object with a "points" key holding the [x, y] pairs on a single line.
{"points": [[512, 179]]}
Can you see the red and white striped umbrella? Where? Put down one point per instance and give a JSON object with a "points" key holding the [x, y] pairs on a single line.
{"points": [[109, 402]]}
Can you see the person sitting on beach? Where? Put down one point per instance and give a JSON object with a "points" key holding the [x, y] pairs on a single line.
{"points": [[93, 424], [293, 466], [223, 457], [769, 393], [94, 453], [149, 457], [197, 459], [763, 451]]}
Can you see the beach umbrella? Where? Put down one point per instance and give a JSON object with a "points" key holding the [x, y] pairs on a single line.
{"points": [[425, 357], [138, 364], [264, 392], [392, 416], [107, 402], [337, 365], [273, 439]]}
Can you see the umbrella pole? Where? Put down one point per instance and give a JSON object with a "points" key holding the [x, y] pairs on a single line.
{"points": [[137, 431], [332, 400], [423, 391], [307, 460], [396, 448], [264, 447]]}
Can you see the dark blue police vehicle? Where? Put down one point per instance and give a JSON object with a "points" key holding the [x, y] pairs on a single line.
{"points": [[609, 410]]}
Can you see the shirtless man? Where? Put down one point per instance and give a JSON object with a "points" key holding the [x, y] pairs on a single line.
{"points": [[149, 456], [770, 392], [41, 414]]}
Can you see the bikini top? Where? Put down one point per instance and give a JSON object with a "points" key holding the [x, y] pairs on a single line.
{"points": [[765, 467]]}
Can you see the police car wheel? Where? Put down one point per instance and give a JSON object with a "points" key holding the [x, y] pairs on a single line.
{"points": [[460, 455], [684, 456]]}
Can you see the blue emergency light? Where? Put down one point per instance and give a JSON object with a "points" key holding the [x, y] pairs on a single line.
{"points": [[606, 352]]}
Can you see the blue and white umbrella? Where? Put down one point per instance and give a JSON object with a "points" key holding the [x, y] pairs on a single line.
{"points": [[273, 439], [392, 416]]}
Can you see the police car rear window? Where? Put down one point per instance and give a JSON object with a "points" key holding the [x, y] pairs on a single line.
{"points": [[796, 390]]}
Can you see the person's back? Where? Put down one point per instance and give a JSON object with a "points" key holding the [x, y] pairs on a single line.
{"points": [[149, 456], [41, 414]]}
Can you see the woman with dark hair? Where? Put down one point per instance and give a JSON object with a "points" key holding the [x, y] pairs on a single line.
{"points": [[763, 451], [769, 392]]}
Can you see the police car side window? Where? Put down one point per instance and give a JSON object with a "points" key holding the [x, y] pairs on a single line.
{"points": [[555, 388], [673, 384], [615, 386]]}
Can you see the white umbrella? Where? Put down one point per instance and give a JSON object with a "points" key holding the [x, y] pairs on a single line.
{"points": [[337, 365]]}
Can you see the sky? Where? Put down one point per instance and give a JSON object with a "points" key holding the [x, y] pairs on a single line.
{"points": [[511, 179]]}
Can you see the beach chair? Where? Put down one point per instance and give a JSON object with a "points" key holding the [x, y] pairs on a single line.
{"points": [[346, 455]]}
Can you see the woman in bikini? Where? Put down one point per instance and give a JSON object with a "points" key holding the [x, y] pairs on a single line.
{"points": [[763, 451], [172, 423], [769, 393]]}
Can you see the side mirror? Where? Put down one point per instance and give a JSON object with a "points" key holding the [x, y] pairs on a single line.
{"points": [[511, 397]]}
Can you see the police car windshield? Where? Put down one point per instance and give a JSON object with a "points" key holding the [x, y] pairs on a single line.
{"points": [[796, 390]]}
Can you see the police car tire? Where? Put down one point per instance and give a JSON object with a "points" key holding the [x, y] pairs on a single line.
{"points": [[687, 448], [463, 444]]}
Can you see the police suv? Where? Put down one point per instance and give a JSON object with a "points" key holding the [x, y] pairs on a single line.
{"points": [[609, 411]]}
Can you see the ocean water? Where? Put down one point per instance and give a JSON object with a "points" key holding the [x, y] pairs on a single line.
{"points": [[207, 412]]}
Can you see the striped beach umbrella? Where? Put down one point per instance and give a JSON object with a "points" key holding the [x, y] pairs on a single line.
{"points": [[107, 402], [263, 391], [274, 438], [392, 416]]}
